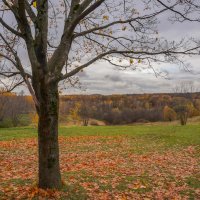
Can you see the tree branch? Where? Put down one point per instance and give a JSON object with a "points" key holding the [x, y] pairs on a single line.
{"points": [[10, 28], [177, 12], [30, 11], [165, 52]]}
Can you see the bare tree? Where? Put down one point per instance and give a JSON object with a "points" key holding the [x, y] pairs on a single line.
{"points": [[45, 43], [182, 111], [18, 106], [4, 102], [84, 112], [184, 87]]}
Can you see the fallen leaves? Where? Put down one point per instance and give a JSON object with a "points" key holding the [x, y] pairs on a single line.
{"points": [[138, 185], [98, 167], [45, 194]]}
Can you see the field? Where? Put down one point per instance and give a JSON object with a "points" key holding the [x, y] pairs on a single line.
{"points": [[110, 162]]}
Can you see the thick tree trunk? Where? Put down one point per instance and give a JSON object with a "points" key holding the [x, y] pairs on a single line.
{"points": [[49, 169]]}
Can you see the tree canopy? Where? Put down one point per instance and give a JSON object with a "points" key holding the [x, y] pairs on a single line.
{"points": [[72, 35]]}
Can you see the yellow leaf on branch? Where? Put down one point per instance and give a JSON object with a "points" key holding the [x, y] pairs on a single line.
{"points": [[131, 61], [124, 28], [34, 4], [105, 17]]}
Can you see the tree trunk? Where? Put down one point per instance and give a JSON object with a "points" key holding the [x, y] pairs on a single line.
{"points": [[49, 168]]}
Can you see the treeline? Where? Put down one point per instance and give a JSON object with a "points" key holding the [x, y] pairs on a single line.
{"points": [[15, 110], [125, 109], [18, 110]]}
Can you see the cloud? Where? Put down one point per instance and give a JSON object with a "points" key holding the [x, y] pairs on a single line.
{"points": [[115, 78], [105, 79], [83, 74]]}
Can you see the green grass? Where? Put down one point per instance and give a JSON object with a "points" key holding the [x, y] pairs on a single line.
{"points": [[17, 133], [193, 182], [168, 134]]}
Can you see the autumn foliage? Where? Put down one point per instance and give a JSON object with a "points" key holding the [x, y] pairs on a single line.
{"points": [[125, 109], [169, 114], [111, 109], [14, 109]]}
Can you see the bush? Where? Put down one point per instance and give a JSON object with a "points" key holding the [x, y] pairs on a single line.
{"points": [[24, 120], [142, 121], [183, 113], [169, 114], [6, 123]]}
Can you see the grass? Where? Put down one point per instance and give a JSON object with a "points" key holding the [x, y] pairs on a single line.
{"points": [[168, 135], [17, 133], [108, 162]]}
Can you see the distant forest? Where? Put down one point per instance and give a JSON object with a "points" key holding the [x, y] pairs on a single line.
{"points": [[104, 110], [126, 109]]}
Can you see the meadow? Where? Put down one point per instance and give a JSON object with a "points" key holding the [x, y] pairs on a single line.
{"points": [[152, 161]]}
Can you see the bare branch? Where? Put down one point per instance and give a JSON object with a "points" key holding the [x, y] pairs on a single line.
{"points": [[177, 12], [10, 28], [100, 56], [30, 12]]}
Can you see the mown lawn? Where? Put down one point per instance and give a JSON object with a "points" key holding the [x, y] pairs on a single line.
{"points": [[110, 162]]}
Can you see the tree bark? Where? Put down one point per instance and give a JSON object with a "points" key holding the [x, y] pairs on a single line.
{"points": [[49, 168]]}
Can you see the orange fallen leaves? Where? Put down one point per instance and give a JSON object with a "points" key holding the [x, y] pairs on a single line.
{"points": [[46, 194], [104, 167], [138, 185]]}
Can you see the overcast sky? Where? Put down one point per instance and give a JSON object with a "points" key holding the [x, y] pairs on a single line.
{"points": [[103, 78]]}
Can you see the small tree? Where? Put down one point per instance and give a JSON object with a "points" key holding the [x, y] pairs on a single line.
{"points": [[169, 114], [17, 108], [74, 112], [4, 101], [34, 118], [84, 113], [183, 113]]}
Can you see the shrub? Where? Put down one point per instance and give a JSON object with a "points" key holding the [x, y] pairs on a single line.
{"points": [[183, 113], [169, 114], [142, 121], [6, 123]]}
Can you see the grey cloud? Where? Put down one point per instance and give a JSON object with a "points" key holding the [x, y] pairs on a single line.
{"points": [[83, 74], [101, 78], [113, 78]]}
